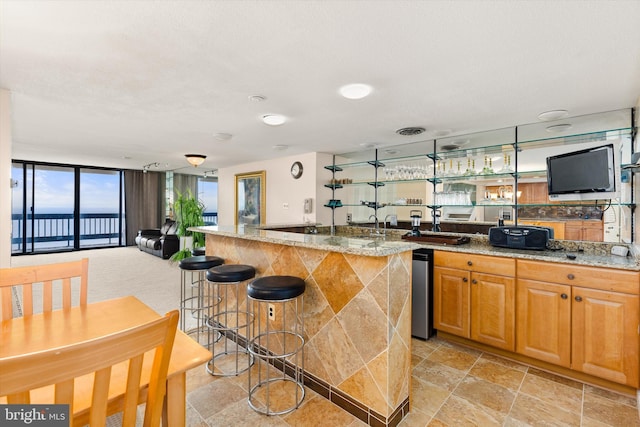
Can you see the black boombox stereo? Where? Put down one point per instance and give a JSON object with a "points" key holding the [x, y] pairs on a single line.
{"points": [[522, 237]]}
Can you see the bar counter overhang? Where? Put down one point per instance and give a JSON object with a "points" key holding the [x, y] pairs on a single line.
{"points": [[357, 311]]}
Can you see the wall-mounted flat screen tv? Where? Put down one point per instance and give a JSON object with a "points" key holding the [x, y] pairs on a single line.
{"points": [[588, 174]]}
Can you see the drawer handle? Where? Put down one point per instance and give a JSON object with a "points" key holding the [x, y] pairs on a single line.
{"points": [[578, 298], [570, 276], [564, 296], [469, 263], [474, 281], [465, 280]]}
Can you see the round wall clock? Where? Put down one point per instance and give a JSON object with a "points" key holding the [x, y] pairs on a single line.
{"points": [[296, 170]]}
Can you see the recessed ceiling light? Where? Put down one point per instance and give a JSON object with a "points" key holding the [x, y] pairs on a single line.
{"points": [[391, 151], [355, 90], [280, 147], [559, 128], [274, 119], [368, 144], [257, 98], [222, 136], [553, 115], [443, 132]]}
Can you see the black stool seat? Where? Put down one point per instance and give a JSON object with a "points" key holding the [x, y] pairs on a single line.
{"points": [[198, 251], [201, 262], [275, 288], [231, 273]]}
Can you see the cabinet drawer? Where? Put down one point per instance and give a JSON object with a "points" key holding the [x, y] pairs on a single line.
{"points": [[578, 275], [480, 263]]}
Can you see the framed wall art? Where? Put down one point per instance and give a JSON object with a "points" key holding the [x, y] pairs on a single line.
{"points": [[250, 198]]}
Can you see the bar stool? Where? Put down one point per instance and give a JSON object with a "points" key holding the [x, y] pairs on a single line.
{"points": [[278, 302], [198, 251], [228, 320], [196, 299]]}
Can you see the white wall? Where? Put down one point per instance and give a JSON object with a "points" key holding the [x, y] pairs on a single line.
{"points": [[5, 177], [284, 194]]}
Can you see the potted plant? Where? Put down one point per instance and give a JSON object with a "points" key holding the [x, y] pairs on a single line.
{"points": [[188, 212]]}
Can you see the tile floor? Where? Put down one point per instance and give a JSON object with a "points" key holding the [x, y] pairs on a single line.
{"points": [[451, 386]]}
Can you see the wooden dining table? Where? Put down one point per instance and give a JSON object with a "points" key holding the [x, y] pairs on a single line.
{"points": [[60, 328]]}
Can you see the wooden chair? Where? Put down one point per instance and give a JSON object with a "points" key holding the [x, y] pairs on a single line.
{"points": [[60, 366], [50, 276]]}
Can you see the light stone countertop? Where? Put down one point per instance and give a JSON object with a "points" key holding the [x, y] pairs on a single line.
{"points": [[596, 254], [344, 244], [586, 253]]}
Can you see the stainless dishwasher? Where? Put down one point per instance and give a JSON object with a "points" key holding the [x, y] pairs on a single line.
{"points": [[422, 294]]}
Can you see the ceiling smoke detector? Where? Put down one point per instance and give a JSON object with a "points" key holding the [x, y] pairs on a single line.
{"points": [[410, 131]]}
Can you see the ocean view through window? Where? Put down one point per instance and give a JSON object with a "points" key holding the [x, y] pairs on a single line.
{"points": [[46, 198]]}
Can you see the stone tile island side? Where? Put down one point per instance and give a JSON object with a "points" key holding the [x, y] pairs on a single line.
{"points": [[357, 311]]}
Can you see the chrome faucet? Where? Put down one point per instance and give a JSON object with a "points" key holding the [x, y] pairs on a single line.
{"points": [[375, 222], [394, 221]]}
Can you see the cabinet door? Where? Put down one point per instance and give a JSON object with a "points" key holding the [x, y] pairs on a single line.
{"points": [[592, 231], [493, 310], [543, 328], [605, 335], [451, 300], [558, 228], [533, 193], [573, 230]]}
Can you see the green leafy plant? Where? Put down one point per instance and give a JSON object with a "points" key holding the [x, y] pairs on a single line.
{"points": [[188, 212]]}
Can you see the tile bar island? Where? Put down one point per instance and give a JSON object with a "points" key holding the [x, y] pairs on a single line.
{"points": [[357, 311]]}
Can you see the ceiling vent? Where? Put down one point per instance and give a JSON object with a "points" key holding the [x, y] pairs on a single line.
{"points": [[410, 131]]}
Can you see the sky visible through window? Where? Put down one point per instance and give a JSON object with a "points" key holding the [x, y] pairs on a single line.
{"points": [[54, 191]]}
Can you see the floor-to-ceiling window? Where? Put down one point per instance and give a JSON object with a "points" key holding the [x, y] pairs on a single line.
{"points": [[100, 207], [65, 207], [208, 195]]}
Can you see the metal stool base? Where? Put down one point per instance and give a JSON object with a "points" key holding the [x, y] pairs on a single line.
{"points": [[238, 367], [281, 349], [197, 304], [265, 409]]}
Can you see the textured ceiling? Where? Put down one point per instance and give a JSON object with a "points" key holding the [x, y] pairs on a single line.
{"points": [[126, 83]]}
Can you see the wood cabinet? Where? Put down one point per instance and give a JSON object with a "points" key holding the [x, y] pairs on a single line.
{"points": [[590, 230], [474, 297], [533, 193], [583, 318], [557, 226]]}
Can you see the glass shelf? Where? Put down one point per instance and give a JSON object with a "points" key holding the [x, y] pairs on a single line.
{"points": [[333, 186]]}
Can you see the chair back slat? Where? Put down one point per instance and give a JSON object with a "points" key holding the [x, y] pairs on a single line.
{"points": [[6, 302], [133, 379], [60, 366], [98, 413], [64, 391], [40, 284]]}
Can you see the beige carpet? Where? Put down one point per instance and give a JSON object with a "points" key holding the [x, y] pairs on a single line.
{"points": [[116, 272]]}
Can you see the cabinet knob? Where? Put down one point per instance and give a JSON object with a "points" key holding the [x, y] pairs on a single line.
{"points": [[474, 281], [570, 276], [578, 298], [564, 296], [465, 280], [469, 263]]}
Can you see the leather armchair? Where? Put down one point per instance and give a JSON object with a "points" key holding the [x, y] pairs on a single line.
{"points": [[162, 242]]}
